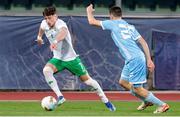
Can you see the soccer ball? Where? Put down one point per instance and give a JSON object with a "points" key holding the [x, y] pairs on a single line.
{"points": [[48, 103]]}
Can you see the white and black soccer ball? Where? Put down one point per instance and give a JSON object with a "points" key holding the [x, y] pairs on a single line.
{"points": [[48, 103]]}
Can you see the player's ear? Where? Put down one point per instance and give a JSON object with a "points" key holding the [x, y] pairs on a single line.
{"points": [[111, 16]]}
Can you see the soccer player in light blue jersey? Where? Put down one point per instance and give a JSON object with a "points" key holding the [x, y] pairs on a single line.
{"points": [[133, 75]]}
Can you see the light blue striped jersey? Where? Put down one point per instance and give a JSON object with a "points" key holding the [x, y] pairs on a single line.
{"points": [[125, 36]]}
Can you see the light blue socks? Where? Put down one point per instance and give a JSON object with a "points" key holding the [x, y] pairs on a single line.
{"points": [[153, 99], [150, 98]]}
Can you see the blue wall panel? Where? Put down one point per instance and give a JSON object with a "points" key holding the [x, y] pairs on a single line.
{"points": [[22, 60]]}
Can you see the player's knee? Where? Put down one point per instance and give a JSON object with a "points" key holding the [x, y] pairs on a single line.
{"points": [[47, 70], [85, 77], [121, 83], [137, 90], [90, 81]]}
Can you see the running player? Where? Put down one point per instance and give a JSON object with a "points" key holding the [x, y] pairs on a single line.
{"points": [[64, 57], [133, 74]]}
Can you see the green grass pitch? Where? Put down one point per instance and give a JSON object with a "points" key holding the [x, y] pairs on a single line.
{"points": [[82, 108]]}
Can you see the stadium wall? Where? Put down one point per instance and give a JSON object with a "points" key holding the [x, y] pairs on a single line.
{"points": [[22, 60]]}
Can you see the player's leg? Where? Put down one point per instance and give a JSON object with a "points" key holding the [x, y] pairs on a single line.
{"points": [[50, 68], [149, 97], [77, 68], [137, 70], [91, 82], [128, 86], [125, 84], [124, 81], [144, 103]]}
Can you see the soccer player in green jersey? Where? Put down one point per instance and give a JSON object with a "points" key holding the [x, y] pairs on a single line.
{"points": [[64, 56]]}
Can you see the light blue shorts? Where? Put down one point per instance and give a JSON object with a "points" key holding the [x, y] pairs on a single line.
{"points": [[135, 71]]}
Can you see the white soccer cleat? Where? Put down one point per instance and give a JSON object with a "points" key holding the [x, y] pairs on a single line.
{"points": [[162, 109], [144, 106]]}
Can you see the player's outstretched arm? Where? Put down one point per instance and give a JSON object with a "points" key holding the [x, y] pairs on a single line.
{"points": [[39, 37], [145, 47], [60, 36], [90, 16]]}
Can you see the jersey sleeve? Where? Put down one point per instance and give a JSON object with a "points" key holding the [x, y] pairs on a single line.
{"points": [[61, 24], [43, 24], [135, 33], [106, 25]]}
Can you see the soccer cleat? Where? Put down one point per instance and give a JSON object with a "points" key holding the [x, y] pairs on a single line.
{"points": [[161, 109], [60, 100], [110, 106], [144, 105]]}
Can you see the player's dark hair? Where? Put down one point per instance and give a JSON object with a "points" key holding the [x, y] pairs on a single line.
{"points": [[115, 11], [49, 11]]}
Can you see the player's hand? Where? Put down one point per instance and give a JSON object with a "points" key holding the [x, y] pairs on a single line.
{"points": [[53, 46], [150, 65], [90, 9], [40, 41]]}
